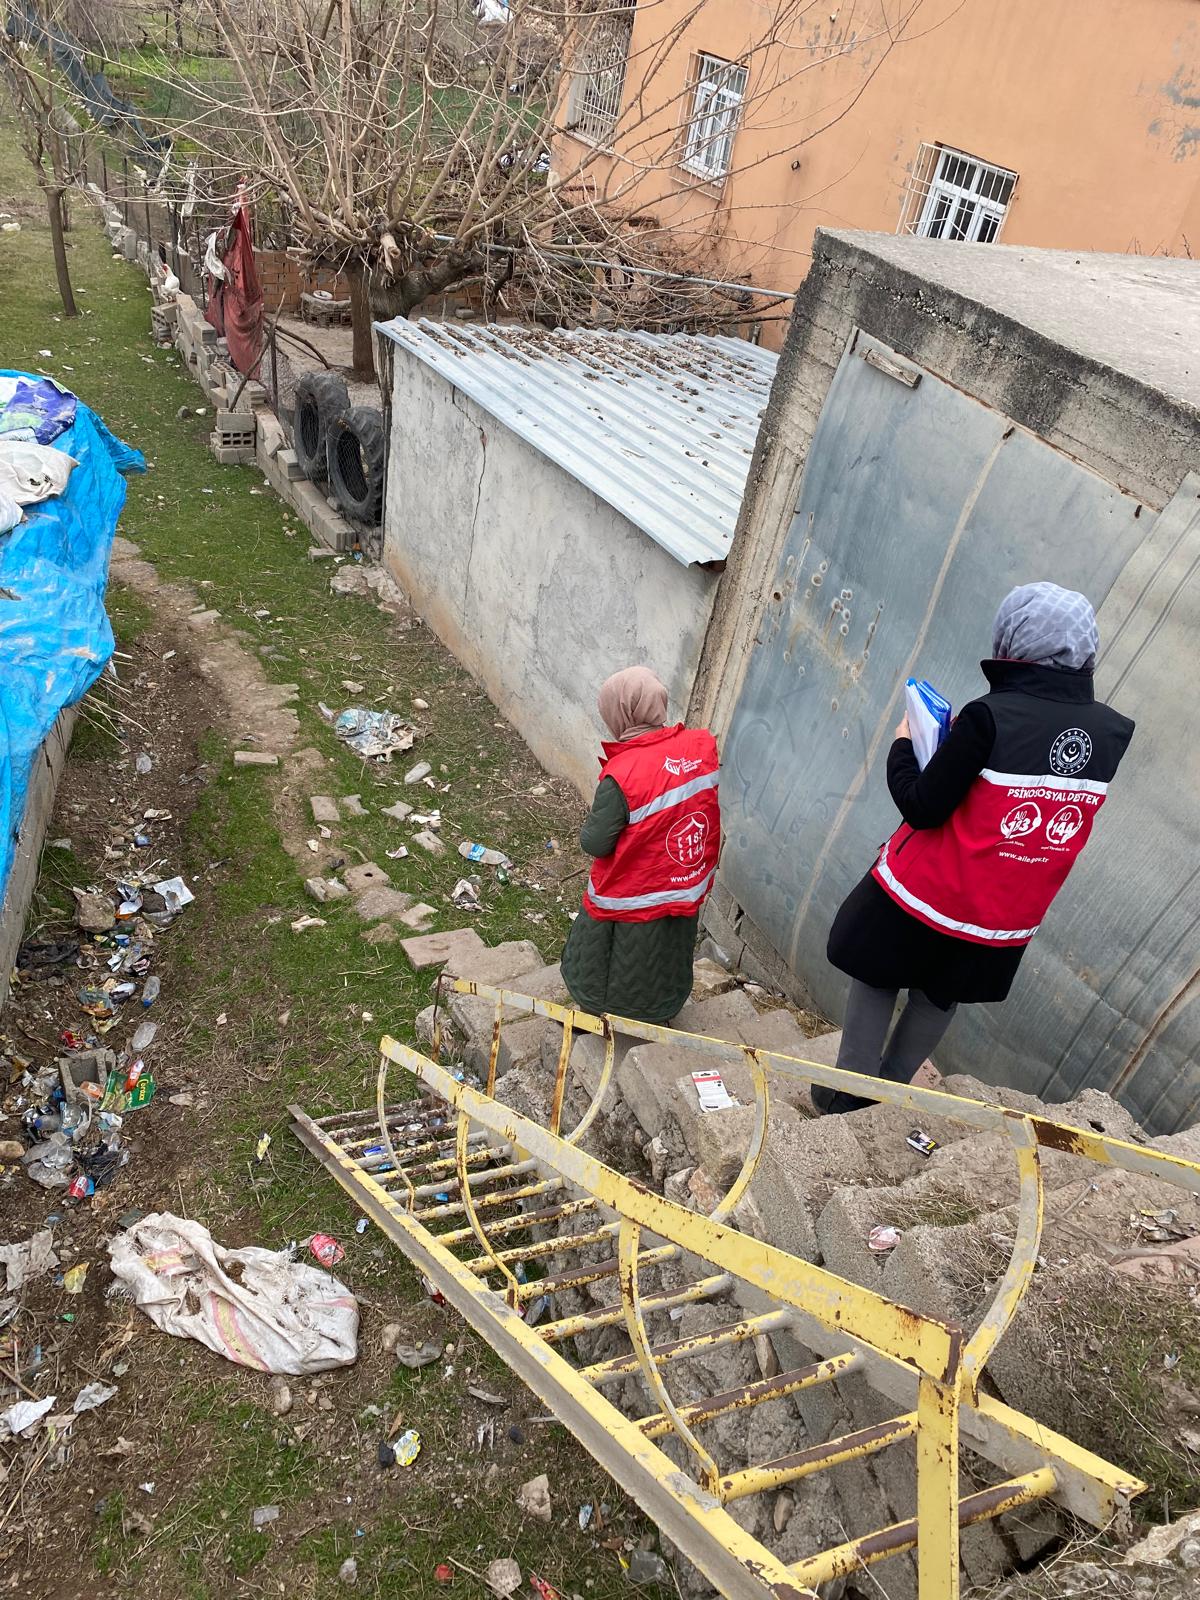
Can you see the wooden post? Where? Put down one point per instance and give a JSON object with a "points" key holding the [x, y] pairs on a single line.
{"points": [[54, 211]]}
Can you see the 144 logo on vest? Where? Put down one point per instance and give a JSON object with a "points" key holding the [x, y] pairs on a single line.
{"points": [[685, 841]]}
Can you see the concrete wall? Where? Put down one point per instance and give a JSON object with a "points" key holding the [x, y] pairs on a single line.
{"points": [[1092, 356], [539, 587], [1093, 103]]}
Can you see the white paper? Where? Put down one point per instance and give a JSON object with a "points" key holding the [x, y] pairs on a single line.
{"points": [[714, 1096]]}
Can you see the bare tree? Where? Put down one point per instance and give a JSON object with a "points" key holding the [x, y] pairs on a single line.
{"points": [[407, 142], [53, 139]]}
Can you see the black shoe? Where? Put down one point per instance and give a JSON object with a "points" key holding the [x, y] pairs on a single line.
{"points": [[835, 1102]]}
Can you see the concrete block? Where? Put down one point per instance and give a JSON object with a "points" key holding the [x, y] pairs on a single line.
{"points": [[429, 841], [322, 552], [325, 889], [435, 949], [292, 469], [324, 808], [779, 1031], [709, 978], [366, 876], [254, 758], [654, 1081], [400, 811], [418, 917], [498, 966], [352, 806], [521, 1045], [725, 1016], [382, 901]]}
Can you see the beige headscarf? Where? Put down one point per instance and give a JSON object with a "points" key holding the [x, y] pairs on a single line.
{"points": [[632, 702]]}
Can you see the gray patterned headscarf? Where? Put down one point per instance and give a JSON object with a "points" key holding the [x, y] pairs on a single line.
{"points": [[1048, 626]]}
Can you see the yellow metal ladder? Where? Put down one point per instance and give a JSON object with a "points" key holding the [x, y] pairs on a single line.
{"points": [[468, 1188]]}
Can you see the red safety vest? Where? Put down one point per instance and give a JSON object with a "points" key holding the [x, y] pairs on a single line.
{"points": [[988, 875], [665, 860]]}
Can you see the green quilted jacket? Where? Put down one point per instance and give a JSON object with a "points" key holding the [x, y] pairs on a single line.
{"points": [[630, 969]]}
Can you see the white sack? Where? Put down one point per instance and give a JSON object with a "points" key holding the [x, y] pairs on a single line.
{"points": [[32, 472], [280, 1316]]}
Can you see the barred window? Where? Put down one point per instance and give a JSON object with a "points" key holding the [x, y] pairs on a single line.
{"points": [[598, 78], [718, 91], [952, 195]]}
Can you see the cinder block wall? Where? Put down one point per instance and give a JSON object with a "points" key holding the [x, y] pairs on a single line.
{"points": [[284, 279]]}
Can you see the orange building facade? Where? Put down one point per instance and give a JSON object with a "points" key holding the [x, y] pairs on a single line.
{"points": [[733, 129]]}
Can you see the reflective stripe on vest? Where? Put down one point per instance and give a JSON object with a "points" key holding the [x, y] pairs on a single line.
{"points": [[924, 909], [1035, 780], [644, 902], [674, 797]]}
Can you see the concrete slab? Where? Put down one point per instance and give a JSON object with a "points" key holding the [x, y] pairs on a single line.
{"points": [[418, 917], [367, 876], [372, 905], [498, 966], [725, 1016], [254, 758], [435, 949], [324, 808]]}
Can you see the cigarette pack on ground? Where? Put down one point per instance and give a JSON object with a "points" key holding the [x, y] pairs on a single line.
{"points": [[714, 1096]]}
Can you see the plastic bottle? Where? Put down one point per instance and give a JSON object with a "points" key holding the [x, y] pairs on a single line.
{"points": [[480, 852], [151, 991], [143, 1038]]}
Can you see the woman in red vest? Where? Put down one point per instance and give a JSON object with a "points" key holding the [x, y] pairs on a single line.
{"points": [[655, 833], [991, 828]]}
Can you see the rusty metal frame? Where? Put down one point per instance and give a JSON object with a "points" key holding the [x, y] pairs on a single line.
{"points": [[924, 1364]]}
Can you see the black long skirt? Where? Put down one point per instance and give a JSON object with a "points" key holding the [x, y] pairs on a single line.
{"points": [[876, 941]]}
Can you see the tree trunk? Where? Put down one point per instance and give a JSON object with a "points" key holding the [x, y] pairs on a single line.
{"points": [[360, 321], [54, 207]]}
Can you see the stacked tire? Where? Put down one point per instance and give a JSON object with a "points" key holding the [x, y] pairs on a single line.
{"points": [[340, 444], [356, 450], [321, 397]]}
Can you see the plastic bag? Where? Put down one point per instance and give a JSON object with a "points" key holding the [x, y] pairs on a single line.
{"points": [[278, 1316]]}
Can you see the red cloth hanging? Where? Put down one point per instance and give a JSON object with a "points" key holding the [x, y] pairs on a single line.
{"points": [[235, 307]]}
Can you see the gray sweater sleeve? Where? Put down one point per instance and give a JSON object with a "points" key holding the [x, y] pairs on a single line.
{"points": [[605, 821]]}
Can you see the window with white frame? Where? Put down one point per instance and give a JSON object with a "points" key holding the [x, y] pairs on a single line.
{"points": [[599, 77], [953, 195], [718, 90]]}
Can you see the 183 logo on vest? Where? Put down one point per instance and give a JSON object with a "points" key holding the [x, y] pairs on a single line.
{"points": [[685, 841], [1021, 820], [1070, 752]]}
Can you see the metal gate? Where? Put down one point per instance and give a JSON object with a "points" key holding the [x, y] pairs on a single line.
{"points": [[919, 508], [468, 1188]]}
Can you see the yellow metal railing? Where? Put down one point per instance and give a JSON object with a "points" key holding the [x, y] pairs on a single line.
{"points": [[506, 1185]]}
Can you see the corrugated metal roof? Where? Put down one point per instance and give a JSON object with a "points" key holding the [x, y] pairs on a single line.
{"points": [[661, 426]]}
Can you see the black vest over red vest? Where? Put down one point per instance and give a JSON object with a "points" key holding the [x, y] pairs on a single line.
{"points": [[989, 873]]}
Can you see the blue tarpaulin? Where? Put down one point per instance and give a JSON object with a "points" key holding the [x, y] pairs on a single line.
{"points": [[55, 638]]}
